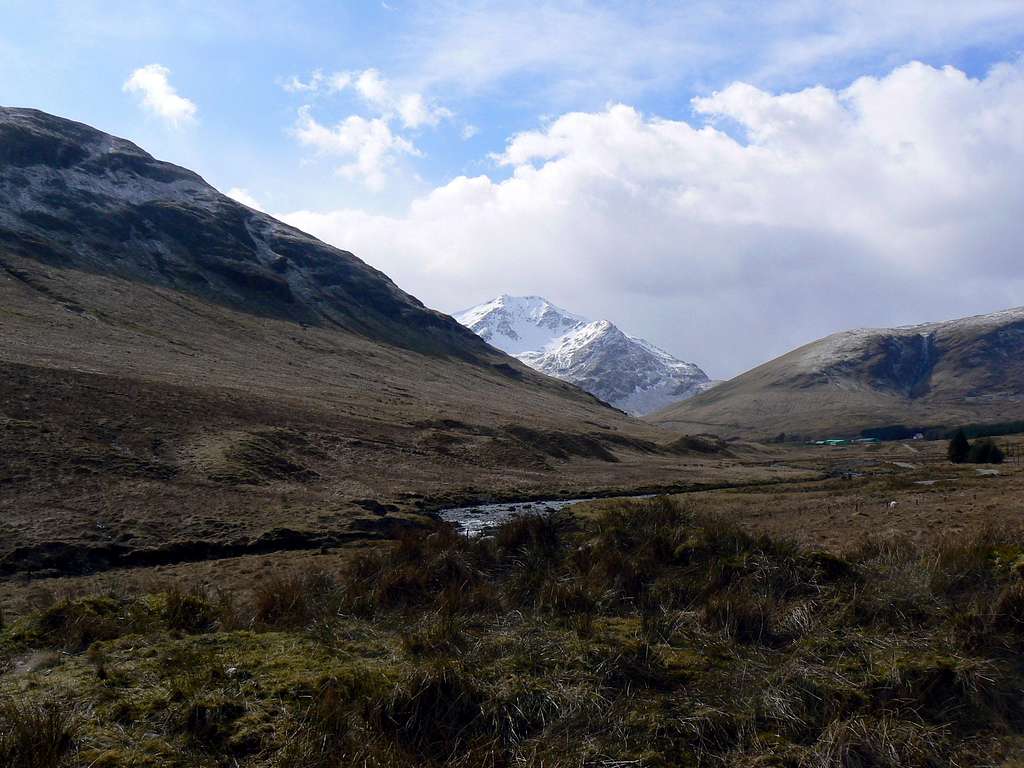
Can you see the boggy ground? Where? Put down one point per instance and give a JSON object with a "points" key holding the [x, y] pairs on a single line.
{"points": [[643, 634]]}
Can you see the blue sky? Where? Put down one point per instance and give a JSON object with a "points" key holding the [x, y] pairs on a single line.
{"points": [[414, 96]]}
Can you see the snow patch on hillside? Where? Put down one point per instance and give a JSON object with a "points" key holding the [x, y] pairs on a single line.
{"points": [[839, 347]]}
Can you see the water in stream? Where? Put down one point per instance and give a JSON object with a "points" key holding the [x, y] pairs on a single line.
{"points": [[477, 519]]}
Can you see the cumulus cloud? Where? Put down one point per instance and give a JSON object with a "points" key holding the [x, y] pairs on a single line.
{"points": [[412, 108], [369, 144], [158, 96], [770, 220], [388, 101]]}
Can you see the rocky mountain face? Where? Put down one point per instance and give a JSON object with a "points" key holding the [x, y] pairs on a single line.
{"points": [[936, 374], [622, 370], [74, 197]]}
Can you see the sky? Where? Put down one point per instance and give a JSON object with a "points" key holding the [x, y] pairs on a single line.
{"points": [[728, 180]]}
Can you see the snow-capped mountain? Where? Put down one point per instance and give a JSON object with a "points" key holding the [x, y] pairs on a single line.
{"points": [[625, 371]]}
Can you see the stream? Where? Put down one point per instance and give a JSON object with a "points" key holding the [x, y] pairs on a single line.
{"points": [[478, 519]]}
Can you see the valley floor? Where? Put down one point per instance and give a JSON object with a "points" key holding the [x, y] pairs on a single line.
{"points": [[183, 588], [832, 499]]}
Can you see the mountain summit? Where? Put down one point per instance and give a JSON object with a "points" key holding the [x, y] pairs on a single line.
{"points": [[627, 372]]}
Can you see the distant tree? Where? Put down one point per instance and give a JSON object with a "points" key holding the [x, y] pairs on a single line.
{"points": [[959, 448], [985, 451]]}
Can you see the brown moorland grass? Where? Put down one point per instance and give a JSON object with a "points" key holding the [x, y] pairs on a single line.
{"points": [[651, 634]]}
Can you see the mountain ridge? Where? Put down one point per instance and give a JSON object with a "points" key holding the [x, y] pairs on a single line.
{"points": [[625, 371], [929, 374]]}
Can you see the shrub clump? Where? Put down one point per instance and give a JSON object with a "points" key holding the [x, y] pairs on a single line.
{"points": [[982, 451], [959, 448], [188, 610], [293, 599], [74, 625], [985, 451], [432, 714]]}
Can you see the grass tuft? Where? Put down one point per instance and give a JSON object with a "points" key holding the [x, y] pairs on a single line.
{"points": [[36, 734]]}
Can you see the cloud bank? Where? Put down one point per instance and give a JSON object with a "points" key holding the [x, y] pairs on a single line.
{"points": [[766, 221]]}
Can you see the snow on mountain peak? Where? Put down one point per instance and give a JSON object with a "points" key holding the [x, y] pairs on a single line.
{"points": [[627, 372], [519, 324]]}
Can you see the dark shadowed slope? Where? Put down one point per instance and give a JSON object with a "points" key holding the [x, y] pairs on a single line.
{"points": [[74, 197], [960, 371]]}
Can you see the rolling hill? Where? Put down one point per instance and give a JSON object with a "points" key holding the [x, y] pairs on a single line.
{"points": [[969, 370]]}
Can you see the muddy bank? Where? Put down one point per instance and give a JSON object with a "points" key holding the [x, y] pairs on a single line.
{"points": [[55, 558]]}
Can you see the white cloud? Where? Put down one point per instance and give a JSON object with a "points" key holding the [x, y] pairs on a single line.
{"points": [[372, 87], [371, 142], [339, 81], [896, 199], [412, 108], [318, 81], [243, 196], [295, 85], [159, 96], [368, 143], [415, 111]]}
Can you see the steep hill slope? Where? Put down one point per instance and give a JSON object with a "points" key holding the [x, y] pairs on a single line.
{"points": [[627, 372], [74, 197], [946, 373], [182, 378]]}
